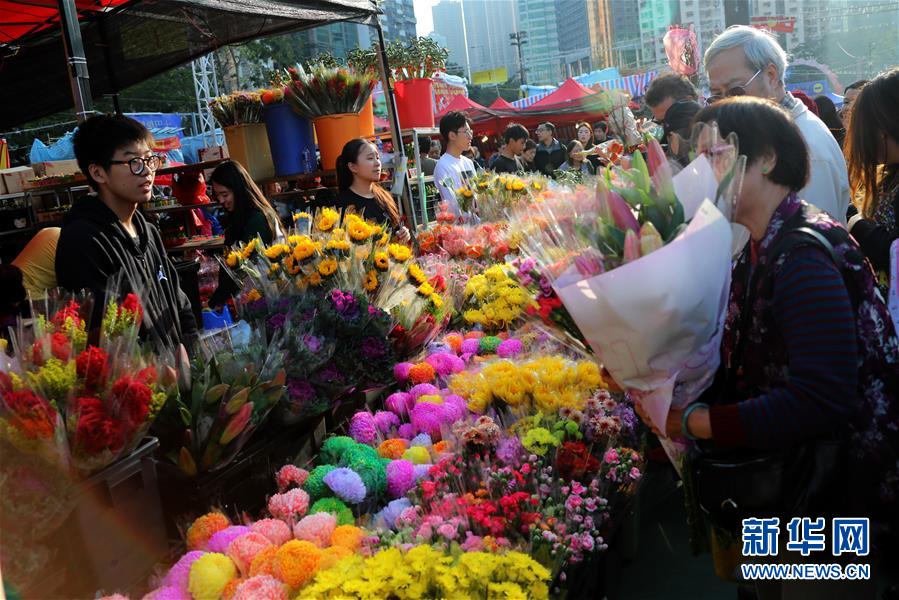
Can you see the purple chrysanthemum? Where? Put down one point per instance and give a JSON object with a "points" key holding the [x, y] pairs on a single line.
{"points": [[424, 389], [510, 348], [399, 403], [363, 428], [401, 371], [386, 421], [346, 485], [400, 478], [455, 407], [406, 431], [470, 346]]}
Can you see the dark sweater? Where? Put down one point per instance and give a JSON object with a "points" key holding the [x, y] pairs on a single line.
{"points": [[94, 248], [876, 238], [507, 165], [550, 159], [368, 207], [255, 226]]}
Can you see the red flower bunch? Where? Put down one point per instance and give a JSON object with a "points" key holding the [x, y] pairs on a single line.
{"points": [[96, 430], [131, 306], [514, 507], [574, 461], [71, 310], [485, 515], [31, 414], [60, 347], [546, 307], [133, 398], [92, 367]]}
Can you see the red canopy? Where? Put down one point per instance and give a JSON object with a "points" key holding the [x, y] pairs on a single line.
{"points": [[570, 93], [501, 104], [20, 19], [465, 104]]}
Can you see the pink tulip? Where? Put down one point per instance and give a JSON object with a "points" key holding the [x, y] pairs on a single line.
{"points": [[237, 423]]}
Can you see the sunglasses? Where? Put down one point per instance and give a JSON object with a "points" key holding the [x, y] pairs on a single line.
{"points": [[737, 90]]}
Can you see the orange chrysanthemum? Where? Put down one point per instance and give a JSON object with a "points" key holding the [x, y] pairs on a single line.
{"points": [[204, 528], [231, 587], [392, 448], [296, 562], [263, 564], [422, 373], [331, 556], [348, 536], [454, 341]]}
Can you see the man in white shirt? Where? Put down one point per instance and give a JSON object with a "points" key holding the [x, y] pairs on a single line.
{"points": [[454, 170], [748, 61]]}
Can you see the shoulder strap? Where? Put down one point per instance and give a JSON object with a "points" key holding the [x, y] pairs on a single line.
{"points": [[801, 236]]}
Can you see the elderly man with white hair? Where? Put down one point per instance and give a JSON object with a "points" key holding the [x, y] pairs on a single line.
{"points": [[748, 61]]}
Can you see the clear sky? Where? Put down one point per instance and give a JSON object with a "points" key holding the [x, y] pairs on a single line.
{"points": [[425, 22]]}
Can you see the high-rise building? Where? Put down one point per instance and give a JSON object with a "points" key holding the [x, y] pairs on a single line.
{"points": [[450, 26], [600, 27], [585, 35], [655, 17], [541, 54], [336, 38], [476, 33], [398, 20], [627, 50]]}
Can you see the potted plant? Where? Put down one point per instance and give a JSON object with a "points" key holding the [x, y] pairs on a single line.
{"points": [[332, 97], [413, 66], [290, 136], [240, 115]]}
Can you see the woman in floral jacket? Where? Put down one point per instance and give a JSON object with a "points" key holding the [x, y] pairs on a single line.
{"points": [[809, 349]]}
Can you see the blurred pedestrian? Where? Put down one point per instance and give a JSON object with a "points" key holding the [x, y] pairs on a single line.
{"points": [[827, 112]]}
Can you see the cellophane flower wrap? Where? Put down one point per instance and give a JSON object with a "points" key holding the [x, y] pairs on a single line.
{"points": [[646, 288], [238, 377]]}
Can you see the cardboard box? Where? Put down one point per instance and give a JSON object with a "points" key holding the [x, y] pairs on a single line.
{"points": [[52, 168], [16, 178]]}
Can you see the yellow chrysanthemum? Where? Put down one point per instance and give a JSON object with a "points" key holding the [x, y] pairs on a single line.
{"points": [[399, 252], [327, 267], [371, 281], [209, 575], [327, 218], [382, 261]]}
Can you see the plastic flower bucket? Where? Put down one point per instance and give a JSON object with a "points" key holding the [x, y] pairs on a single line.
{"points": [[333, 131], [290, 140], [367, 119], [415, 103], [248, 145]]}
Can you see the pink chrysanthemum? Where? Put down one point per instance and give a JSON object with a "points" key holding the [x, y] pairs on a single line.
{"points": [[400, 478], [219, 542], [261, 587], [245, 548], [446, 364], [454, 407], [289, 506], [290, 476], [168, 593], [179, 574], [399, 403], [510, 348], [424, 389], [428, 418], [470, 346], [316, 528], [275, 530], [406, 431], [401, 371], [363, 428], [386, 421]]}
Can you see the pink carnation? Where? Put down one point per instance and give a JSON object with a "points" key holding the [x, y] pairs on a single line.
{"points": [[448, 531], [291, 475], [275, 530], [406, 431], [470, 346], [510, 348], [401, 371], [428, 418], [446, 364], [179, 575], [261, 587], [219, 541], [423, 389], [400, 478], [289, 506], [316, 528], [168, 593], [245, 548], [386, 421], [399, 403], [363, 428]]}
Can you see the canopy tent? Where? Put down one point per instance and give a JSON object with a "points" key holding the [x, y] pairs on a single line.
{"points": [[464, 104], [501, 104], [570, 93], [129, 41]]}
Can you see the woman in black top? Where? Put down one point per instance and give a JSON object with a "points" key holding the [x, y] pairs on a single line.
{"points": [[358, 174], [250, 214]]}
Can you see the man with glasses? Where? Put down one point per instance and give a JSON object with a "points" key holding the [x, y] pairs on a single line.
{"points": [[103, 236], [672, 100], [453, 170], [550, 152], [748, 61]]}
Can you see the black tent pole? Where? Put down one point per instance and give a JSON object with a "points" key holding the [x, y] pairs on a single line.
{"points": [[399, 152], [78, 73], [110, 72]]}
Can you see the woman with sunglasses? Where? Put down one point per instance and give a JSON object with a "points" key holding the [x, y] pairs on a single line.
{"points": [[809, 357], [872, 151], [745, 61]]}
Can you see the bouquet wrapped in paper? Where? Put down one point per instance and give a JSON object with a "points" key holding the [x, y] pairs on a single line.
{"points": [[643, 268]]}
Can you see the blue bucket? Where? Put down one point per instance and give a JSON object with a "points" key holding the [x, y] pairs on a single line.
{"points": [[213, 320], [291, 140]]}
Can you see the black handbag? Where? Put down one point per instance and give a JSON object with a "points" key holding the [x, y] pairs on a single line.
{"points": [[808, 479]]}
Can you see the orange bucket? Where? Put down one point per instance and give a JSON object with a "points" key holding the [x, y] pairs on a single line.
{"points": [[333, 131], [367, 119]]}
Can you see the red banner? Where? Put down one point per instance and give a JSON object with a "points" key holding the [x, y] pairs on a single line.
{"points": [[778, 24]]}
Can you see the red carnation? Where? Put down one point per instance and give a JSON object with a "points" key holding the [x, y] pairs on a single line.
{"points": [[32, 415], [147, 376], [134, 399], [96, 431], [72, 309], [92, 366], [575, 461], [59, 348], [131, 304]]}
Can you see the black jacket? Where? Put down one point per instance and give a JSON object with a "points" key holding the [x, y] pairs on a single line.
{"points": [[549, 159], [94, 247]]}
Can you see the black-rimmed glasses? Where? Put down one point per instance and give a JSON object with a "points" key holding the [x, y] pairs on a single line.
{"points": [[737, 90], [139, 163]]}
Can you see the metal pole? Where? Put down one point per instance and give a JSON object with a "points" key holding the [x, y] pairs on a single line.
{"points": [[78, 73], [393, 119]]}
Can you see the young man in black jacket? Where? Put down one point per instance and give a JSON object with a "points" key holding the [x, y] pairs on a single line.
{"points": [[515, 136], [103, 236], [550, 151]]}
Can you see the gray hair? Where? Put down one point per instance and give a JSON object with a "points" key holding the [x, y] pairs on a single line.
{"points": [[760, 47]]}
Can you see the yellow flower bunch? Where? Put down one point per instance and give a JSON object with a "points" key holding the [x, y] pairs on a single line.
{"points": [[337, 245], [250, 248], [425, 572], [301, 215], [253, 295], [416, 274], [327, 218], [276, 251], [233, 259], [546, 384], [357, 228], [303, 249], [495, 300], [371, 281], [382, 261], [327, 267], [399, 252]]}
